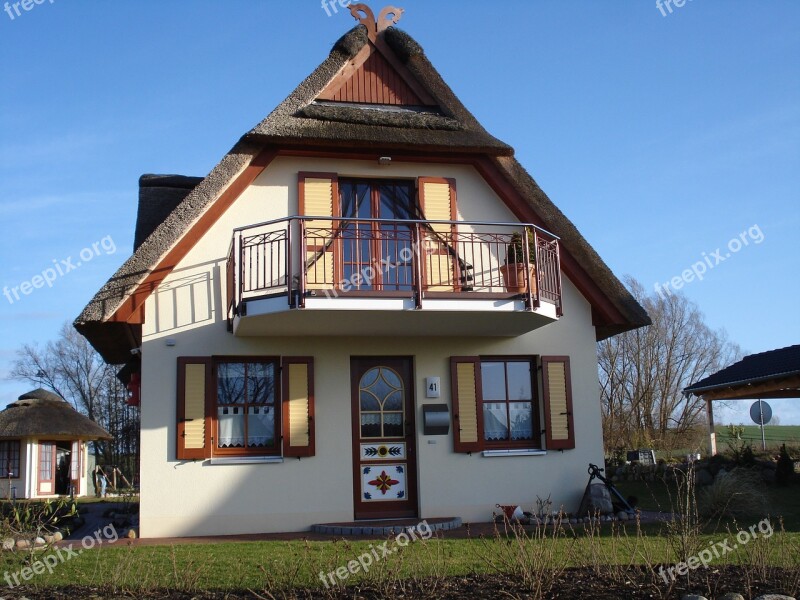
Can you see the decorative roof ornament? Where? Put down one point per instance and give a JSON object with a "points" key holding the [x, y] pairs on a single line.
{"points": [[390, 15]]}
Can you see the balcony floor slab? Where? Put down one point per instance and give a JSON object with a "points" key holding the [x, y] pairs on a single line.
{"points": [[391, 316]]}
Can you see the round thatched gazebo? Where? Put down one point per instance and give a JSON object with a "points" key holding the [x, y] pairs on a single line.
{"points": [[43, 450]]}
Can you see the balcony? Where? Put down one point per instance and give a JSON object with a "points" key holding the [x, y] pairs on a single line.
{"points": [[335, 276]]}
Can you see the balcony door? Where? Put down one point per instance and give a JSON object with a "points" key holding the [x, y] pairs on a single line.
{"points": [[377, 256]]}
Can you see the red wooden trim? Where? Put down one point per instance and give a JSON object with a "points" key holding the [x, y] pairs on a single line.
{"points": [[570, 441], [212, 406], [181, 452], [531, 360], [288, 448], [132, 309], [458, 445]]}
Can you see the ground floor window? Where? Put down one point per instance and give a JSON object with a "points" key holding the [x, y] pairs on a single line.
{"points": [[507, 398], [9, 458], [511, 403], [247, 404]]}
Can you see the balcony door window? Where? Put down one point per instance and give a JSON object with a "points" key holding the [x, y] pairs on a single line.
{"points": [[377, 256]]}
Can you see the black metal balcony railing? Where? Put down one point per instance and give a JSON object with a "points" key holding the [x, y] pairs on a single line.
{"points": [[334, 257]]}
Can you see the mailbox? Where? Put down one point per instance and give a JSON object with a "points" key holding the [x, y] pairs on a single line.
{"points": [[435, 419]]}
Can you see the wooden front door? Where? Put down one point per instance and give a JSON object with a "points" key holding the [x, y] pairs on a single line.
{"points": [[384, 468]]}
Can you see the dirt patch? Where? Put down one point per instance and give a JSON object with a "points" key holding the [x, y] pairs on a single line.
{"points": [[633, 583]]}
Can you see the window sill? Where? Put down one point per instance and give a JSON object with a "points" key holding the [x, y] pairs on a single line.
{"points": [[519, 452], [245, 460]]}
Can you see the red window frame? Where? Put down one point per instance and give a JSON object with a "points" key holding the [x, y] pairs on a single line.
{"points": [[535, 442], [275, 449]]}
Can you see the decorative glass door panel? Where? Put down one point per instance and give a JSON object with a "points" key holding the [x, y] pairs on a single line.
{"points": [[383, 435]]}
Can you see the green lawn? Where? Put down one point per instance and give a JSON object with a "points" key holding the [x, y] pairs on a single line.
{"points": [[279, 565], [775, 435]]}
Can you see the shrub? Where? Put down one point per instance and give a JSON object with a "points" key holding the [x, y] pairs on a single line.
{"points": [[735, 494], [784, 472]]}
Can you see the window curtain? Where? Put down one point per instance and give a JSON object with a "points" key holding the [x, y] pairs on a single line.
{"points": [[231, 427], [495, 425], [260, 426]]}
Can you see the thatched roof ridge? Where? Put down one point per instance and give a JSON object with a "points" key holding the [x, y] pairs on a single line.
{"points": [[297, 119], [41, 413]]}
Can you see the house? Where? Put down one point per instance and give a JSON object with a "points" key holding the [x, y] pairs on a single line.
{"points": [[760, 376], [43, 447], [324, 330]]}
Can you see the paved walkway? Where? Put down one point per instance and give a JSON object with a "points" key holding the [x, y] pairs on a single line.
{"points": [[94, 521]]}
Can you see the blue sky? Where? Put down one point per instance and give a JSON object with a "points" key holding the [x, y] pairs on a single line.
{"points": [[661, 137]]}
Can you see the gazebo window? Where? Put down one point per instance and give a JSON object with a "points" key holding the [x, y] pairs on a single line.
{"points": [[9, 458]]}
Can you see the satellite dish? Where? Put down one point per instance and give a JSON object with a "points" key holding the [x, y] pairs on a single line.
{"points": [[758, 409]]}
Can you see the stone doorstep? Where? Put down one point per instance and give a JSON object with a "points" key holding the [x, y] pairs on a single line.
{"points": [[384, 527]]}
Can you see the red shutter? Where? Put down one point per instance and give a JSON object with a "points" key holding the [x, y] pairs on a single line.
{"points": [[298, 406], [557, 387], [195, 395], [465, 384]]}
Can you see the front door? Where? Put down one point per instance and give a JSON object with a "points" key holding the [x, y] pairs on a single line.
{"points": [[385, 483]]}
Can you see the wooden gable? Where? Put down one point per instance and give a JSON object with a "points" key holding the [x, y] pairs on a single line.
{"points": [[375, 75], [374, 82]]}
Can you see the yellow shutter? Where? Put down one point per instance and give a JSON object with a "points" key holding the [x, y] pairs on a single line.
{"points": [[438, 203], [557, 403], [465, 376], [298, 407], [195, 411], [193, 437], [318, 198]]}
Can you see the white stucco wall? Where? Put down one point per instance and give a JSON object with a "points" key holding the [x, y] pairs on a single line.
{"points": [[26, 485], [196, 498]]}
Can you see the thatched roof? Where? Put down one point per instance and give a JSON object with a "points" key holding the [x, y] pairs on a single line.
{"points": [[302, 121], [41, 413]]}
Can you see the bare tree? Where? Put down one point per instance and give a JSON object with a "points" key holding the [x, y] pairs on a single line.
{"points": [[642, 372], [71, 368]]}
